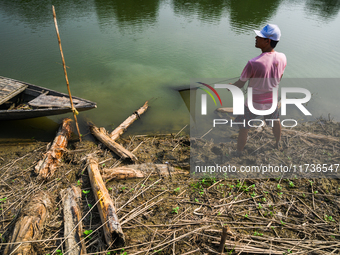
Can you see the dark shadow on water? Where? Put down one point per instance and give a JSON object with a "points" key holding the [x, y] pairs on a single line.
{"points": [[249, 14], [42, 129], [39, 13], [127, 13], [325, 9], [139, 14]]}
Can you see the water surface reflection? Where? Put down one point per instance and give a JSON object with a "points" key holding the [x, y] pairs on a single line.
{"points": [[122, 53], [127, 13], [327, 10]]}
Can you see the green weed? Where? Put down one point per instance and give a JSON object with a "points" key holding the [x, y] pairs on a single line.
{"points": [[58, 252], [257, 234], [328, 218], [87, 233], [175, 210]]}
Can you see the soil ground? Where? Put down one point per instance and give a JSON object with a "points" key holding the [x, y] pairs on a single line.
{"points": [[184, 215]]}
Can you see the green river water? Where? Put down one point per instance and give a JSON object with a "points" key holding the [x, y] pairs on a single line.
{"points": [[122, 53]]}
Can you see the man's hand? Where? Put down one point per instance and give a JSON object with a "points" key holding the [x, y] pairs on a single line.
{"points": [[239, 84]]}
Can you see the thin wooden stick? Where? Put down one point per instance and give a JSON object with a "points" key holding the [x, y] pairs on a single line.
{"points": [[74, 110], [223, 238]]}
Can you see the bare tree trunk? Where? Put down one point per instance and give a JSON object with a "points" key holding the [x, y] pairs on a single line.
{"points": [[112, 229], [139, 171], [29, 226], [326, 138], [101, 135], [47, 166], [71, 198], [115, 134]]}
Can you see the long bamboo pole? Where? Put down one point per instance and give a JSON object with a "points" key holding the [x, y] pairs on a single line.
{"points": [[74, 110]]}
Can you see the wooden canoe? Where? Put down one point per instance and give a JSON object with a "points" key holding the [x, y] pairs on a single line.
{"points": [[21, 100]]}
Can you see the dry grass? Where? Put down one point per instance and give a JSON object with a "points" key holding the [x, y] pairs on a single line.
{"points": [[183, 215]]}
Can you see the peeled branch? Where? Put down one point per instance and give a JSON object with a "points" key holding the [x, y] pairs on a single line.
{"points": [[326, 138], [115, 134], [102, 136], [48, 165], [112, 229], [30, 226], [139, 171], [121, 173]]}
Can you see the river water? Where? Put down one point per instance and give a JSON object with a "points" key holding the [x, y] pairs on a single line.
{"points": [[122, 53]]}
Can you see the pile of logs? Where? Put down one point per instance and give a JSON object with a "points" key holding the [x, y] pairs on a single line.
{"points": [[30, 225]]}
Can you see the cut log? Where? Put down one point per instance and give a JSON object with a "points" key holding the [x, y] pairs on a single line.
{"points": [[326, 138], [29, 226], [47, 166], [121, 173], [115, 134], [225, 109], [74, 243], [139, 171], [112, 229], [101, 135]]}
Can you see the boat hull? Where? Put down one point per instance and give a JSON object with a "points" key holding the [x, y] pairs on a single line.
{"points": [[33, 91]]}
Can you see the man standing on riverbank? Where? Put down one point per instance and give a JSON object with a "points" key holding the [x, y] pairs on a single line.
{"points": [[264, 73]]}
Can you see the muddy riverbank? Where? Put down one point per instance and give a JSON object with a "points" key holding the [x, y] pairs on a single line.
{"points": [[178, 214]]}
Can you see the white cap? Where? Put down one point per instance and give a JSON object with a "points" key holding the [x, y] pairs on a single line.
{"points": [[270, 31]]}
